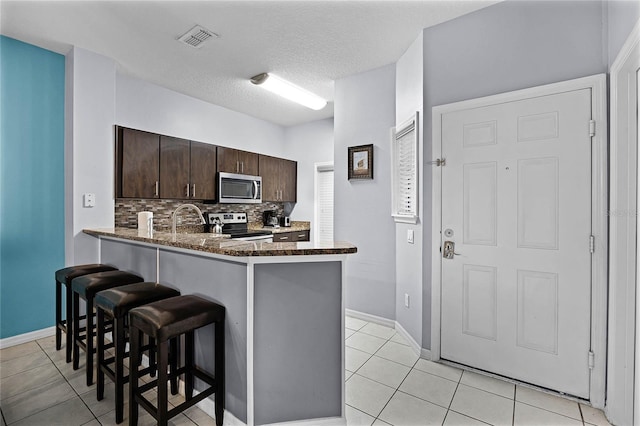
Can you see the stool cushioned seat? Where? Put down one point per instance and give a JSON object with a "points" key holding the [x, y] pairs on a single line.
{"points": [[119, 300], [174, 316], [67, 274], [88, 285]]}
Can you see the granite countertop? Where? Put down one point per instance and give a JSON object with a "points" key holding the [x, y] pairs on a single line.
{"points": [[222, 244]]}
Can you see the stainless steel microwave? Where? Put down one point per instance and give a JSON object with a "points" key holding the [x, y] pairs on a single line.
{"points": [[235, 188]]}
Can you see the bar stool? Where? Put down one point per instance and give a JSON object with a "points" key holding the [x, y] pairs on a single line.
{"points": [[164, 320], [64, 277], [86, 287], [115, 304]]}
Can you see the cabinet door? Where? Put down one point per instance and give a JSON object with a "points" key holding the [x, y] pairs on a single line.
{"points": [[174, 168], [228, 160], [248, 163], [288, 180], [140, 164], [269, 167], [203, 171]]}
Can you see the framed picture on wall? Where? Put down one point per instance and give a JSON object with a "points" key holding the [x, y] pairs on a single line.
{"points": [[360, 162]]}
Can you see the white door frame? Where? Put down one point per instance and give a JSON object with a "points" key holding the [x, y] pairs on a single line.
{"points": [[598, 86], [623, 304]]}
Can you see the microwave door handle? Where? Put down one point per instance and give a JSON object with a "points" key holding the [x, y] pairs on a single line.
{"points": [[255, 190]]}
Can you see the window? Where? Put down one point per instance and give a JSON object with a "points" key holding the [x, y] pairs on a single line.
{"points": [[324, 203], [405, 171]]}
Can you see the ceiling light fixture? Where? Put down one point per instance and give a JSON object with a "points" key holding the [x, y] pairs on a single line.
{"points": [[289, 91]]}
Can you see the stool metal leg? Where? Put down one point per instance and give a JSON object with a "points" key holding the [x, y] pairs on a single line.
{"points": [[119, 341], [173, 364], [69, 320], [100, 354], [59, 316], [76, 330], [163, 361], [188, 362], [89, 343], [219, 373], [134, 349]]}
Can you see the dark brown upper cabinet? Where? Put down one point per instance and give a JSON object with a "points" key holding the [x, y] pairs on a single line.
{"points": [[175, 162], [236, 161], [279, 178], [203, 171], [138, 164], [187, 169]]}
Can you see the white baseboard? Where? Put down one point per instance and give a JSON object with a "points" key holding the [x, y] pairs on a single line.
{"points": [[425, 354], [371, 318], [421, 352], [7, 342], [412, 343]]}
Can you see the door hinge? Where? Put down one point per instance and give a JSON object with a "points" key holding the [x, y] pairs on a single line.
{"points": [[592, 128], [592, 243], [438, 162], [591, 360]]}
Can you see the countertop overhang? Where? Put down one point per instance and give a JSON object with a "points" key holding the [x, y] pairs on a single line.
{"points": [[223, 245]]}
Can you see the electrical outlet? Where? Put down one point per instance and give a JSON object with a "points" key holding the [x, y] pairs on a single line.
{"points": [[410, 236], [406, 300]]}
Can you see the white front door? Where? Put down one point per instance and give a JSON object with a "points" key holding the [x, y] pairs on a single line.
{"points": [[516, 203]]}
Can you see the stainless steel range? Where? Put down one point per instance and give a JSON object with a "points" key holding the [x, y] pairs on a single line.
{"points": [[235, 224]]}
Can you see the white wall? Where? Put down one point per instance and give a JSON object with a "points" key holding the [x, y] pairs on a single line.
{"points": [[89, 150], [409, 99], [308, 144], [146, 106], [365, 114]]}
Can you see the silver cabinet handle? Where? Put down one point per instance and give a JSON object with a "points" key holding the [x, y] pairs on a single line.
{"points": [[242, 164], [193, 190], [284, 238], [157, 189], [237, 167], [187, 190]]}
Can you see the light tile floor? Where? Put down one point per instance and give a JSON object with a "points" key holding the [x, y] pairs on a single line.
{"points": [[386, 384]]}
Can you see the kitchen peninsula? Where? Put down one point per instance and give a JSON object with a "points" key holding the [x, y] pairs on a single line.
{"points": [[285, 315]]}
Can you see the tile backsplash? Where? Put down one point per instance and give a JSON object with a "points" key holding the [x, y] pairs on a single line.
{"points": [[127, 209]]}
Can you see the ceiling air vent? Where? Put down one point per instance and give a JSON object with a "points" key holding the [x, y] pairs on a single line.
{"points": [[196, 36]]}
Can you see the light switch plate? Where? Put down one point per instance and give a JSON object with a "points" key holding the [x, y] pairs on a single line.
{"points": [[406, 300], [410, 236], [89, 200]]}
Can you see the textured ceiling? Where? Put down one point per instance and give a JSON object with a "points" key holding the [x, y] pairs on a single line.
{"points": [[311, 43]]}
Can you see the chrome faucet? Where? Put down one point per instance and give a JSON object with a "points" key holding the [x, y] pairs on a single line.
{"points": [[174, 216]]}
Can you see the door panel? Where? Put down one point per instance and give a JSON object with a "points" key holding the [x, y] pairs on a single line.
{"points": [[516, 193]]}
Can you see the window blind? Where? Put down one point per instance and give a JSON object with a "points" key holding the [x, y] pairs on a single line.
{"points": [[405, 173], [325, 205]]}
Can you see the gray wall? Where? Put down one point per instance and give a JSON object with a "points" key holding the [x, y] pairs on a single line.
{"points": [[508, 46], [364, 114], [622, 17], [308, 144], [409, 93]]}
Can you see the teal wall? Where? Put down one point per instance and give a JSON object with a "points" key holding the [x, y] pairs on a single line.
{"points": [[31, 184]]}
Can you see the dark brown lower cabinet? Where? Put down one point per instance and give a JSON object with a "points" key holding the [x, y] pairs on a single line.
{"points": [[284, 237]]}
